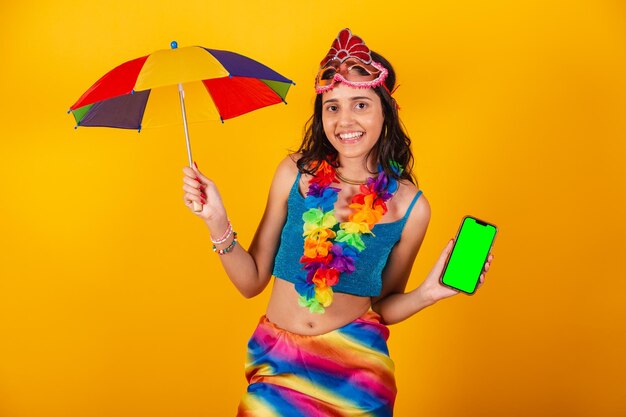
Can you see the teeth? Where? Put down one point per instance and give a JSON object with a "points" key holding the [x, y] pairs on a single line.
{"points": [[353, 135]]}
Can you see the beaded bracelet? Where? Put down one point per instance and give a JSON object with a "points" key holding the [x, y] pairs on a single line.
{"points": [[227, 249], [225, 236]]}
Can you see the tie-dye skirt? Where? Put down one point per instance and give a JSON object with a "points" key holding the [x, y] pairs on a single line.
{"points": [[346, 372]]}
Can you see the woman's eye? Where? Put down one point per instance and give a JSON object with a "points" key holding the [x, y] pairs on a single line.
{"points": [[361, 106], [331, 108]]}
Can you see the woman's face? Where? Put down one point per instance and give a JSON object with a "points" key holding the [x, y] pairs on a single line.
{"points": [[353, 119]]}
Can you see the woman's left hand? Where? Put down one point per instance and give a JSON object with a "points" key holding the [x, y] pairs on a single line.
{"points": [[434, 290]]}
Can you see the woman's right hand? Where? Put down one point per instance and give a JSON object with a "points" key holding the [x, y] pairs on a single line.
{"points": [[203, 191]]}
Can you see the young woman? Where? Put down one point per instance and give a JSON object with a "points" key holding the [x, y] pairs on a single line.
{"points": [[343, 224]]}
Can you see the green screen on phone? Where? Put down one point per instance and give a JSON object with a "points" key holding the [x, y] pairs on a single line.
{"points": [[469, 254]]}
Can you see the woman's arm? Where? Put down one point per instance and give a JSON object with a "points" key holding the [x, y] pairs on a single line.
{"points": [[251, 270], [394, 305]]}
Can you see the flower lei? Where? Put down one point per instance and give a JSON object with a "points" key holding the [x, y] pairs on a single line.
{"points": [[330, 251]]}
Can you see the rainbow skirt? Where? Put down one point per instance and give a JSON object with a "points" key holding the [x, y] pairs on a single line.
{"points": [[345, 372]]}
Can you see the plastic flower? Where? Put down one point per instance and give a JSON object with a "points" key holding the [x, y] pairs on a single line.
{"points": [[380, 205], [352, 239], [396, 167], [325, 199], [316, 221], [382, 185], [354, 228], [306, 290], [324, 296], [316, 189], [314, 248], [366, 212], [315, 262], [324, 175], [392, 187], [312, 268], [377, 201], [343, 258], [308, 297], [376, 185], [326, 277], [312, 304]]}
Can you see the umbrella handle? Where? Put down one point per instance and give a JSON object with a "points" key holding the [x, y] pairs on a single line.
{"points": [[197, 207]]}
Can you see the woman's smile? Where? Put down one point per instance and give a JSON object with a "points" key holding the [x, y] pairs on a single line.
{"points": [[350, 137]]}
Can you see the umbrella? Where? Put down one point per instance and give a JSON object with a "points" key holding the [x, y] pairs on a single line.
{"points": [[141, 92]]}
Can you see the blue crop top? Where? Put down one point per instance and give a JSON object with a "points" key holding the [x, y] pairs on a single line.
{"points": [[366, 280]]}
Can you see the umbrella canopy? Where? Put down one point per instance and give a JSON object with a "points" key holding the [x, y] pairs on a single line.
{"points": [[142, 92]]}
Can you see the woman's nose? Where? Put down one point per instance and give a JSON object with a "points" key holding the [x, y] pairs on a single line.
{"points": [[345, 117]]}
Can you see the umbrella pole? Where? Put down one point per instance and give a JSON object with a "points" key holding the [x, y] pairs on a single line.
{"points": [[181, 93]]}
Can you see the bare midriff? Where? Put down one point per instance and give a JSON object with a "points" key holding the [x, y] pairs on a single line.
{"points": [[284, 311]]}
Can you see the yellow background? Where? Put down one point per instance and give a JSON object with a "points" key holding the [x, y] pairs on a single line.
{"points": [[112, 303]]}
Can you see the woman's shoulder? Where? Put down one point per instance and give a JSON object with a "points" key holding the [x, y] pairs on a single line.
{"points": [[289, 164], [405, 196], [285, 174]]}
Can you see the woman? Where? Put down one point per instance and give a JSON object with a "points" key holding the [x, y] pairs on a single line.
{"points": [[343, 224]]}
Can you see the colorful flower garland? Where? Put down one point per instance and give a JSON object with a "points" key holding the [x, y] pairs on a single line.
{"points": [[329, 253]]}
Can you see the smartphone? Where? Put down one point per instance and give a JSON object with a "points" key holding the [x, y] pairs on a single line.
{"points": [[469, 254]]}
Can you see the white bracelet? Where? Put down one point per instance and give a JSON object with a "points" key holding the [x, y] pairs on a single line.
{"points": [[225, 236]]}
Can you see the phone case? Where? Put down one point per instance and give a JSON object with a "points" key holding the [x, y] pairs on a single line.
{"points": [[472, 245]]}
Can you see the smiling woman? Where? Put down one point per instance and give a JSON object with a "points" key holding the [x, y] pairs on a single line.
{"points": [[321, 347], [396, 144]]}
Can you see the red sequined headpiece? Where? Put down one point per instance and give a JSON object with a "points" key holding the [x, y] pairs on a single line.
{"points": [[347, 45], [349, 61]]}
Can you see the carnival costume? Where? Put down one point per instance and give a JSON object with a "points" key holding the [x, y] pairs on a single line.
{"points": [[348, 371]]}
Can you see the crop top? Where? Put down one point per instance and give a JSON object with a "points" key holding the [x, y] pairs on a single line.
{"points": [[366, 280]]}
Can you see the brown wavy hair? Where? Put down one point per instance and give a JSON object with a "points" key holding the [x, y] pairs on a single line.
{"points": [[393, 144]]}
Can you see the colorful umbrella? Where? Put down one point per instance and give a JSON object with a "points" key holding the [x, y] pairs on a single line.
{"points": [[141, 92]]}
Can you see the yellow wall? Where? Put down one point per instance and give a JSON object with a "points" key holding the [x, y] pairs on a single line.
{"points": [[112, 303]]}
